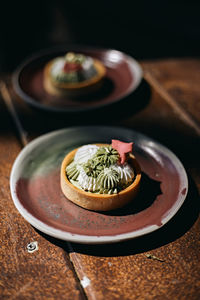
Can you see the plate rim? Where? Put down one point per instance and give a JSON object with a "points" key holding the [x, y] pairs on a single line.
{"points": [[93, 239], [31, 101]]}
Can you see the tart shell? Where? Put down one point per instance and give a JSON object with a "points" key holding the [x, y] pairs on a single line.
{"points": [[99, 202], [74, 89]]}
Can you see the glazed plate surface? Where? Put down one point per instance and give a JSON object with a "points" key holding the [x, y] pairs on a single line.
{"points": [[123, 76], [35, 187]]}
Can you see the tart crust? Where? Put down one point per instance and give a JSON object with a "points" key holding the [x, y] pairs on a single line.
{"points": [[77, 88], [99, 202]]}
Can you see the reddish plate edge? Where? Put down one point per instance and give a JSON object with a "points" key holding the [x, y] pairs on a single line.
{"points": [[85, 238], [133, 64]]}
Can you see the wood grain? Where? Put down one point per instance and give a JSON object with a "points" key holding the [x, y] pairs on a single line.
{"points": [[182, 88], [44, 274]]}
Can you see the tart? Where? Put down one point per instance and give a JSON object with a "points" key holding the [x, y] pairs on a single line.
{"points": [[100, 177], [73, 74]]}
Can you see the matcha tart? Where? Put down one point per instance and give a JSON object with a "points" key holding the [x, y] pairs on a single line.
{"points": [[73, 74], [101, 177]]}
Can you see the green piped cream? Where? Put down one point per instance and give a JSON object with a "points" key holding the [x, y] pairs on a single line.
{"points": [[108, 179], [87, 69], [95, 170], [106, 156]]}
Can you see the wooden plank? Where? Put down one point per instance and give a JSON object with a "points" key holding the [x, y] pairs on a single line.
{"points": [[44, 274], [181, 90]]}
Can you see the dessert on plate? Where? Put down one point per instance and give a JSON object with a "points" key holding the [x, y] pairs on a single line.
{"points": [[73, 74], [101, 177]]}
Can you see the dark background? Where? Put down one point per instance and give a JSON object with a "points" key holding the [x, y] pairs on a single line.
{"points": [[144, 29]]}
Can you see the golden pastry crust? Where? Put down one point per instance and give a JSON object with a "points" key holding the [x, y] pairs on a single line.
{"points": [[77, 88], [99, 202]]}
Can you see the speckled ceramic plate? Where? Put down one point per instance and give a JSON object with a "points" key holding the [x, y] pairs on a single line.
{"points": [[123, 76], [35, 188]]}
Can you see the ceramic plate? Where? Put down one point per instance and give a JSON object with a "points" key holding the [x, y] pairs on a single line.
{"points": [[123, 76], [35, 188]]}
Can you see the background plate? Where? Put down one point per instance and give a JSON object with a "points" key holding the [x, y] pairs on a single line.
{"points": [[35, 188], [123, 76]]}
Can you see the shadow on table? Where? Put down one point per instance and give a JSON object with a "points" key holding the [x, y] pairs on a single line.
{"points": [[174, 229], [143, 199], [119, 110]]}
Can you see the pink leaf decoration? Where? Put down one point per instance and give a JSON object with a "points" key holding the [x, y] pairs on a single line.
{"points": [[122, 148]]}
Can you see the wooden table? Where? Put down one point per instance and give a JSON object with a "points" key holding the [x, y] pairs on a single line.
{"points": [[161, 265]]}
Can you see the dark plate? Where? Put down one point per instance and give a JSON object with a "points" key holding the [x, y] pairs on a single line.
{"points": [[123, 76], [35, 188]]}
